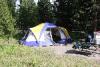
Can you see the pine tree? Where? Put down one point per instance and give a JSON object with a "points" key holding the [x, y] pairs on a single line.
{"points": [[45, 10], [27, 14], [83, 16], [6, 19], [75, 13], [65, 12]]}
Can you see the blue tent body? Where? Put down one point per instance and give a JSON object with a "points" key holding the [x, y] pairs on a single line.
{"points": [[42, 35]]}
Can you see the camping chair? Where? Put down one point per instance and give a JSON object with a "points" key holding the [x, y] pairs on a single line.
{"points": [[81, 44]]}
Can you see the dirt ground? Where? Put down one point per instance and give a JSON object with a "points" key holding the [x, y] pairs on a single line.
{"points": [[68, 50]]}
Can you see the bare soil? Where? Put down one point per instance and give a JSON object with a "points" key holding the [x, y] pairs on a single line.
{"points": [[68, 50]]}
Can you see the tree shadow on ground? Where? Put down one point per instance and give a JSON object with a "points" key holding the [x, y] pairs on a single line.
{"points": [[85, 53]]}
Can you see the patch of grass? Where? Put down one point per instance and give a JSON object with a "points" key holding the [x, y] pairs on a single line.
{"points": [[23, 56], [5, 40]]}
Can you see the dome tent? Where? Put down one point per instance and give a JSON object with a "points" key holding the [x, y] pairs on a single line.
{"points": [[45, 34]]}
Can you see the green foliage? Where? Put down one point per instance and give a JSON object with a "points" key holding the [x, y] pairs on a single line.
{"points": [[27, 14], [83, 16], [6, 19], [69, 13], [11, 5], [65, 12], [45, 10], [22, 56], [75, 13]]}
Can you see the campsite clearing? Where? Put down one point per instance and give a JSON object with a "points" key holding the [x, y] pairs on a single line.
{"points": [[53, 56], [68, 50]]}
